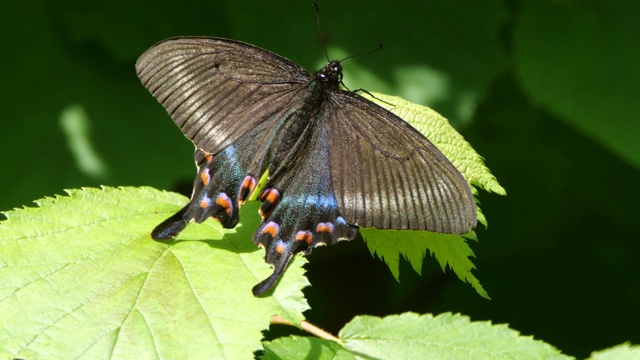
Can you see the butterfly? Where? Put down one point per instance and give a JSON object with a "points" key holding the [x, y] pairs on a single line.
{"points": [[336, 161]]}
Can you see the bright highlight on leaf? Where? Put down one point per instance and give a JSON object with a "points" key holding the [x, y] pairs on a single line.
{"points": [[82, 277], [76, 125], [413, 336]]}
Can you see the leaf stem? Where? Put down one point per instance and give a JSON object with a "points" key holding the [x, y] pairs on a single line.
{"points": [[306, 326]]}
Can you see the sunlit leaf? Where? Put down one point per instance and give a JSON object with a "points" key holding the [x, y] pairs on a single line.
{"points": [[81, 276]]}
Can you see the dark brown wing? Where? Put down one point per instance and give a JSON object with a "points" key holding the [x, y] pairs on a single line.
{"points": [[387, 175], [216, 90]]}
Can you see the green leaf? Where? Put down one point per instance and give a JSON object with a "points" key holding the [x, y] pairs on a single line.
{"points": [[82, 277], [413, 245], [414, 336], [449, 336], [294, 347], [624, 351]]}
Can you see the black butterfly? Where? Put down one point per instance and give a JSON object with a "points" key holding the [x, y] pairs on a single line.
{"points": [[336, 160]]}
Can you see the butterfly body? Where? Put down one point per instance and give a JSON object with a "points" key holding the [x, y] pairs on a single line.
{"points": [[336, 161]]}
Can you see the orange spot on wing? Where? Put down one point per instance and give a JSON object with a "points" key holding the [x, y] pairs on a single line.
{"points": [[324, 227], [224, 202], [249, 183], [269, 198], [272, 229], [271, 195], [280, 247], [246, 188], [208, 157], [204, 203], [205, 177], [305, 236]]}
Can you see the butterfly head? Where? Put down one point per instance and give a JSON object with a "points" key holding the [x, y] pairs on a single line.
{"points": [[330, 73]]}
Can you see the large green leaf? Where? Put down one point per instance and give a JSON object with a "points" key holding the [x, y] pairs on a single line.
{"points": [[414, 336], [82, 277]]}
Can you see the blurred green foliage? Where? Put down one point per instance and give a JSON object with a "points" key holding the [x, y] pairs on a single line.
{"points": [[546, 91]]}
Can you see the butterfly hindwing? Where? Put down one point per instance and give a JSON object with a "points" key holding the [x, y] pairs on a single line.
{"points": [[222, 184], [299, 209]]}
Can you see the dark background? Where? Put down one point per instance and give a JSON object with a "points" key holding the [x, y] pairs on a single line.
{"points": [[546, 91]]}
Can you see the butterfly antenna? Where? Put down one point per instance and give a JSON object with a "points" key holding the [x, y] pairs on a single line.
{"points": [[324, 47], [364, 53]]}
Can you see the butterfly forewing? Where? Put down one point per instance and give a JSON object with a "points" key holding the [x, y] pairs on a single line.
{"points": [[387, 175], [217, 89]]}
